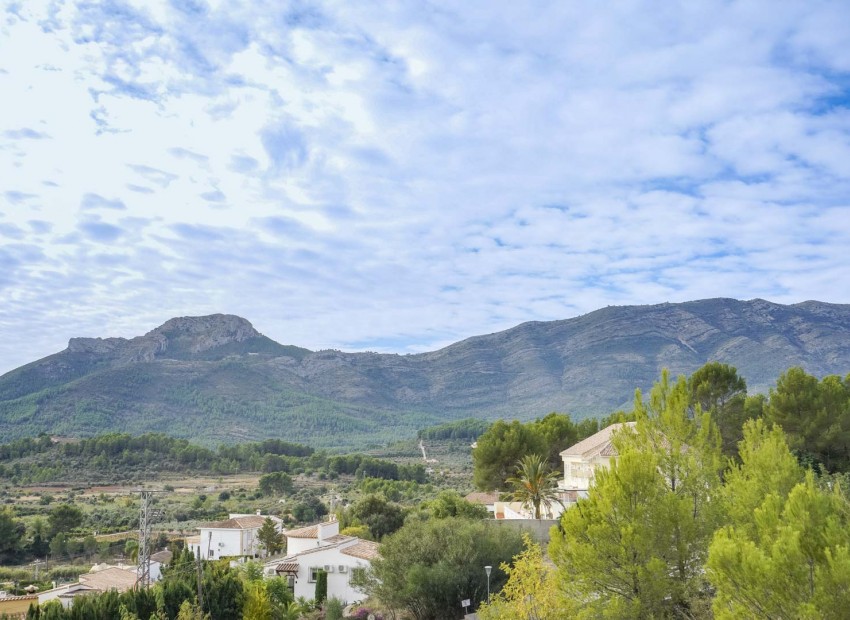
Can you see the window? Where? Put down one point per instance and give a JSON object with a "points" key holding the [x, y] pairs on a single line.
{"points": [[356, 573], [314, 574], [212, 553]]}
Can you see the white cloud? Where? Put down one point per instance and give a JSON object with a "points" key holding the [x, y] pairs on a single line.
{"points": [[396, 177]]}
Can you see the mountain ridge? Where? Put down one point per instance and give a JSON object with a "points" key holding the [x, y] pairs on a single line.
{"points": [[217, 379]]}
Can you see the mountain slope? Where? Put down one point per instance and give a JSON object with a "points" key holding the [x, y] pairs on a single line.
{"points": [[216, 379]]}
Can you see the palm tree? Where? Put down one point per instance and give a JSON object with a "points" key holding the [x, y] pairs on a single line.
{"points": [[534, 484], [131, 550]]}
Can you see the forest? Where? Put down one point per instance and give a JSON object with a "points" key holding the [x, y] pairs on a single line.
{"points": [[720, 504]]}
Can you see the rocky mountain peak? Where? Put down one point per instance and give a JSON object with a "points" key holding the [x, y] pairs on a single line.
{"points": [[178, 336]]}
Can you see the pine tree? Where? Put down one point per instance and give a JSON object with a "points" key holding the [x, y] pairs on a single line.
{"points": [[636, 546]]}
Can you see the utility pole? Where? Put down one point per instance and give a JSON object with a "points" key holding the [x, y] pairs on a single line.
{"points": [[143, 567], [147, 516], [200, 589]]}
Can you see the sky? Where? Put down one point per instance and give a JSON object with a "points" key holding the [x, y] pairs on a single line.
{"points": [[398, 176]]}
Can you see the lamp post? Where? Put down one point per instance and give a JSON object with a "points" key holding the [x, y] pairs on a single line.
{"points": [[487, 570]]}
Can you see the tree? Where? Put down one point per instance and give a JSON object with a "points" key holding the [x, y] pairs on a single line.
{"points": [[498, 450], [717, 388], [379, 515], [815, 415], [270, 538], [794, 563], [451, 504], [59, 545], [224, 593], [309, 509], [532, 591], [766, 467], [321, 587], [277, 483], [636, 546], [11, 536], [64, 518], [257, 603], [558, 433], [191, 611], [428, 567], [39, 544], [131, 550], [534, 485]]}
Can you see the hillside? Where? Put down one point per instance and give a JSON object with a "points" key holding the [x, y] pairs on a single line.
{"points": [[216, 379]]}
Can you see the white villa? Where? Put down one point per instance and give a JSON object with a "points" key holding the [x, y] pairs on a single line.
{"points": [[234, 538], [580, 464], [321, 547], [583, 459]]}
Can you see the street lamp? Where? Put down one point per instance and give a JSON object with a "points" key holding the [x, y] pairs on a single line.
{"points": [[487, 570]]}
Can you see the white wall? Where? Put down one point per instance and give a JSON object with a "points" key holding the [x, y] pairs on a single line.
{"points": [[578, 473], [219, 543], [338, 583], [324, 531]]}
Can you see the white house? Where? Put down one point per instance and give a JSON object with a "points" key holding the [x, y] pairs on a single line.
{"points": [[321, 547], [101, 578], [583, 459], [341, 557], [310, 537], [234, 538]]}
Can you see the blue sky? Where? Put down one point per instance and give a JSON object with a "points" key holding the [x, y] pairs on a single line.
{"points": [[398, 176]]}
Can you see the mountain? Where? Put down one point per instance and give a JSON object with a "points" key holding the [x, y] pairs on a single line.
{"points": [[216, 379]]}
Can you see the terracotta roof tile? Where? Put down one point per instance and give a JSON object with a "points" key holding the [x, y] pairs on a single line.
{"points": [[237, 523], [109, 579], [477, 497], [598, 444], [365, 550], [311, 531]]}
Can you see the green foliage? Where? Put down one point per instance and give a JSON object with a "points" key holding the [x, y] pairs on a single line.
{"points": [[334, 609], [766, 467], [64, 518], [277, 483], [270, 538], [716, 388], [498, 450], [375, 512], [451, 504], [428, 567], [309, 509], [504, 444], [11, 536], [535, 485], [815, 415], [321, 587], [364, 466], [795, 563], [257, 603], [468, 429], [224, 592], [636, 546], [532, 591]]}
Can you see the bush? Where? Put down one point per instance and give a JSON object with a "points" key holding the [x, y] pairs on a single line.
{"points": [[334, 608]]}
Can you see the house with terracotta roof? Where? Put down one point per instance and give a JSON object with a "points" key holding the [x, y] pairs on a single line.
{"points": [[101, 578], [310, 537], [488, 500], [582, 460], [321, 547], [235, 537], [16, 606]]}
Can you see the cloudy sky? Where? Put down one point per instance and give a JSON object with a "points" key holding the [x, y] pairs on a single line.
{"points": [[398, 176]]}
